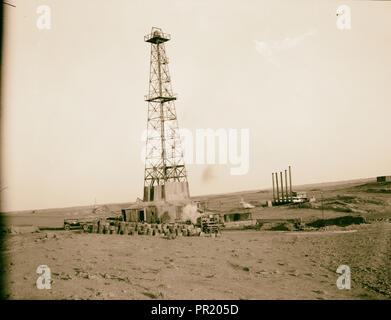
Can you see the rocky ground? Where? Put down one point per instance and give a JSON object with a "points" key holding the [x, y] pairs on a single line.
{"points": [[237, 265]]}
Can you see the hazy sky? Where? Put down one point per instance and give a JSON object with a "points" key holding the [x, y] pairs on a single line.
{"points": [[73, 111]]}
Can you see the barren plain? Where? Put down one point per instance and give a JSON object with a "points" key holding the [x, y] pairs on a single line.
{"points": [[239, 264]]}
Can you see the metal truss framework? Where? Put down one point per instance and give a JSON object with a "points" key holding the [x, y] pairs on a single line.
{"points": [[164, 154]]}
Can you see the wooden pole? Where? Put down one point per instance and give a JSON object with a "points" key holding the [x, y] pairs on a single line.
{"points": [[290, 182], [274, 198], [286, 187]]}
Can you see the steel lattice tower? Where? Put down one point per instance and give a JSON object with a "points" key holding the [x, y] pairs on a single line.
{"points": [[164, 155]]}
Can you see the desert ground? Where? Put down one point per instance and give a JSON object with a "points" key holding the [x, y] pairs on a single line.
{"points": [[238, 264]]}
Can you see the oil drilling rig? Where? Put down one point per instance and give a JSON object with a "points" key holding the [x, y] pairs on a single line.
{"points": [[165, 172], [166, 189]]}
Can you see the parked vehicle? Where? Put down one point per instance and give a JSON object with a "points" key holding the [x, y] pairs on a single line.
{"points": [[86, 222], [78, 223]]}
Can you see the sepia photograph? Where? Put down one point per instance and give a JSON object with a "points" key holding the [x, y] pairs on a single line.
{"points": [[219, 150]]}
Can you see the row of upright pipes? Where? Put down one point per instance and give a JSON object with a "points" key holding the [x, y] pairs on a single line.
{"points": [[281, 197]]}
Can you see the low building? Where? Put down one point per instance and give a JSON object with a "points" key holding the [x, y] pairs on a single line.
{"points": [[240, 214], [155, 211], [384, 179], [161, 204]]}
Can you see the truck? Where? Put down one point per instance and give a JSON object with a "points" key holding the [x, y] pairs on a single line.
{"points": [[85, 223], [78, 223]]}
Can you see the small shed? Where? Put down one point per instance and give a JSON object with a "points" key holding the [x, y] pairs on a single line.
{"points": [[154, 211], [384, 179], [240, 214]]}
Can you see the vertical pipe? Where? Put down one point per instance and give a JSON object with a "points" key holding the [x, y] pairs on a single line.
{"points": [[290, 182], [278, 193], [282, 187], [274, 198], [286, 187]]}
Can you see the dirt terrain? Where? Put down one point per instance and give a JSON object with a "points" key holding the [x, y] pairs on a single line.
{"points": [[237, 265], [246, 264]]}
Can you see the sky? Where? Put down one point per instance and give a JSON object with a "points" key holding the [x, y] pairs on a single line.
{"points": [[311, 95]]}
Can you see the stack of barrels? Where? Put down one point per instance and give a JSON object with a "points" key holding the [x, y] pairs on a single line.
{"points": [[166, 230]]}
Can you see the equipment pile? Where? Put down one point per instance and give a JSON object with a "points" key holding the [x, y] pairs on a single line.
{"points": [[165, 230]]}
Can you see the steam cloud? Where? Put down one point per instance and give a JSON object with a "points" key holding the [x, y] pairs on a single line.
{"points": [[208, 174], [191, 213]]}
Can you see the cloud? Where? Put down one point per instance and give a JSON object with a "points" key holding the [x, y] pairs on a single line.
{"points": [[269, 49]]}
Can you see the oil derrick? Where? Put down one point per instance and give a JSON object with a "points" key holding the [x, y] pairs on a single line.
{"points": [[165, 175]]}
